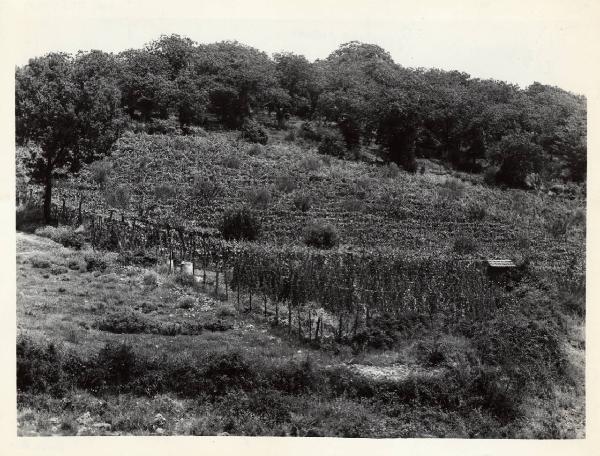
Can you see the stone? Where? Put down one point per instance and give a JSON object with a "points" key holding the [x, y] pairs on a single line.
{"points": [[85, 419], [102, 426], [159, 420]]}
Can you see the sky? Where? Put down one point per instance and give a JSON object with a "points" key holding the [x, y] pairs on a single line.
{"points": [[552, 42]]}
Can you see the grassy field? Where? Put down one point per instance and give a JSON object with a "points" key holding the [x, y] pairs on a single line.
{"points": [[107, 348]]}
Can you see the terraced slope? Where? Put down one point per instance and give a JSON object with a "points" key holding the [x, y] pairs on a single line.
{"points": [[420, 214]]}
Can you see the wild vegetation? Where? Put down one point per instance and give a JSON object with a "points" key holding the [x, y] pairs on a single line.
{"points": [[336, 214]]}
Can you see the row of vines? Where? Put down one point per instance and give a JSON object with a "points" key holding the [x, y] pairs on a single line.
{"points": [[311, 291]]}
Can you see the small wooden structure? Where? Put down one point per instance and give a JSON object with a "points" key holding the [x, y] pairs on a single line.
{"points": [[503, 270]]}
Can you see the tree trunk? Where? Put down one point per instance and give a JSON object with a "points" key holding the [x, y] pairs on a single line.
{"points": [[47, 197]]}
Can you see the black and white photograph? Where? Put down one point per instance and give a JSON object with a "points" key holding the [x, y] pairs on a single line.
{"points": [[261, 219]]}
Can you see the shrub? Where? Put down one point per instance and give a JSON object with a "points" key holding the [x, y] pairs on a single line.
{"points": [[150, 279], [186, 280], [118, 197], [558, 225], [64, 235], [186, 302], [125, 322], [464, 245], [164, 192], [452, 189], [255, 149], [520, 156], [239, 224], [390, 171], [141, 258], [320, 235], [40, 261], [290, 135], [162, 126], [259, 198], [311, 132], [253, 132], [353, 205], [95, 262], [29, 217], [489, 176], [38, 366], [311, 163], [285, 183], [204, 189], [332, 144], [231, 161], [303, 202], [476, 211], [100, 172]]}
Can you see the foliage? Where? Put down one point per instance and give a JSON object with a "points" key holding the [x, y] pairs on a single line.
{"points": [[64, 235], [240, 224], [322, 236], [253, 132]]}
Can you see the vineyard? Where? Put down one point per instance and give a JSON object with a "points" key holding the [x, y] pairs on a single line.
{"points": [[191, 181], [396, 255]]}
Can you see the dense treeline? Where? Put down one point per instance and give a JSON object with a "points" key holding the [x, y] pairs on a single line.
{"points": [[74, 107]]}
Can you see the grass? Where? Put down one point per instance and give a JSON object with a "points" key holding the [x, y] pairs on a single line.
{"points": [[403, 377]]}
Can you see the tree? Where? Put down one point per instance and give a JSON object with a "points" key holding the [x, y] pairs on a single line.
{"points": [[519, 156], [70, 109]]}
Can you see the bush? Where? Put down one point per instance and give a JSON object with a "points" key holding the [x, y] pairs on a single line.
{"points": [[240, 224], [186, 302], [150, 279], [319, 235], [64, 235], [302, 202], [204, 189], [464, 245], [285, 183], [40, 261], [311, 132], [126, 322], [231, 161], [311, 163], [29, 217], [164, 192], [100, 172], [253, 132], [38, 366], [489, 176], [255, 149], [162, 126], [452, 189], [332, 144], [259, 198], [520, 156], [476, 211], [390, 171], [290, 135], [140, 258], [353, 205], [95, 262], [558, 225]]}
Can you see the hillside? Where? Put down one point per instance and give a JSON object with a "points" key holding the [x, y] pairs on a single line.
{"points": [[192, 180]]}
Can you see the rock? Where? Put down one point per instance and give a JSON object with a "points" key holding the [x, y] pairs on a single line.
{"points": [[102, 426], [159, 430], [83, 430], [85, 419], [159, 420]]}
